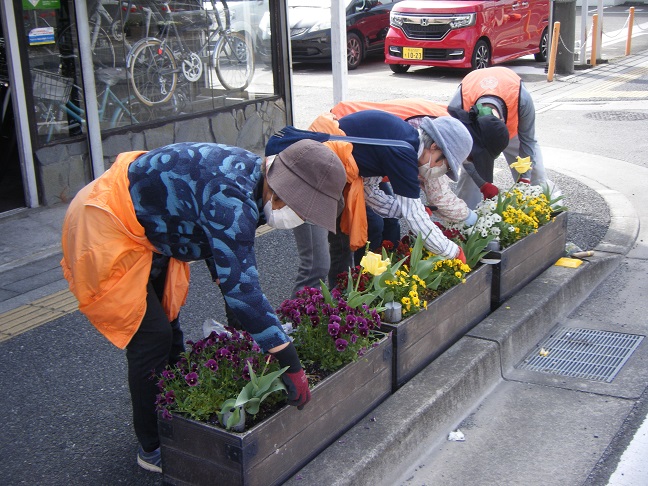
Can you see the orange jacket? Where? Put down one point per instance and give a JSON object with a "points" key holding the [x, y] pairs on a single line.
{"points": [[403, 108], [354, 215], [107, 257], [494, 81]]}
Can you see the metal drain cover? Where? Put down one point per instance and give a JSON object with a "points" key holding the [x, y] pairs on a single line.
{"points": [[582, 353], [617, 115]]}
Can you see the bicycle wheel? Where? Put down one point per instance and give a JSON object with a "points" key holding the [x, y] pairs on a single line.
{"points": [[234, 61], [136, 113], [153, 72], [103, 51]]}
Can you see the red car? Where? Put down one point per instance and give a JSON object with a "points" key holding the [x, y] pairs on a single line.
{"points": [[470, 34]]}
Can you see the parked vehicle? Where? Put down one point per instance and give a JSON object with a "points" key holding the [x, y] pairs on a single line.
{"points": [[470, 34], [367, 23]]}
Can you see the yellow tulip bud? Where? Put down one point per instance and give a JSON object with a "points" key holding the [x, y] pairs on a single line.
{"points": [[521, 165], [374, 264]]}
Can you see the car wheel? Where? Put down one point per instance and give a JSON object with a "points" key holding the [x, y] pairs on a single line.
{"points": [[399, 68], [544, 40], [481, 55], [355, 50]]}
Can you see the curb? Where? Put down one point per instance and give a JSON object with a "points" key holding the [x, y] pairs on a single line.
{"points": [[383, 446]]}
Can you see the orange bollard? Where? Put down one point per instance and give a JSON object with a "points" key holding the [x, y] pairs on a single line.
{"points": [[630, 23], [594, 40], [554, 50]]}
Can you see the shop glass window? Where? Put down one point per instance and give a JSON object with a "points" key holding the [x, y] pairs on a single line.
{"points": [[153, 60]]}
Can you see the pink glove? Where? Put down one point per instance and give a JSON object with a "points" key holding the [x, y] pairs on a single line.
{"points": [[461, 256], [298, 392], [489, 190]]}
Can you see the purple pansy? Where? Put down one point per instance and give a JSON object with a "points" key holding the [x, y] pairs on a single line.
{"points": [[191, 378]]}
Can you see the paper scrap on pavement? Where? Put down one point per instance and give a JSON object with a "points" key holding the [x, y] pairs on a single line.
{"points": [[456, 436]]}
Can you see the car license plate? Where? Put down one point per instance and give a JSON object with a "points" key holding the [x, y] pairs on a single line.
{"points": [[412, 53]]}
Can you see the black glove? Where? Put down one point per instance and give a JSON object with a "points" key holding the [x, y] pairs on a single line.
{"points": [[294, 378]]}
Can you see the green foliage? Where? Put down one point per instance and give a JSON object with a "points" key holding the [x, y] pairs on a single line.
{"points": [[252, 394]]}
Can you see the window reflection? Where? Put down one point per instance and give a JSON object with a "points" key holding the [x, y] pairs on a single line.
{"points": [[152, 60]]}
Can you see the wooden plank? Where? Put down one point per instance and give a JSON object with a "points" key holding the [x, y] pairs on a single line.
{"points": [[527, 258], [421, 338]]}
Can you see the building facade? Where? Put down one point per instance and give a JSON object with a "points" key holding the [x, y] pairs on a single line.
{"points": [[83, 80]]}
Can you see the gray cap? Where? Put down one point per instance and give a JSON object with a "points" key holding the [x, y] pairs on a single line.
{"points": [[497, 102], [309, 178], [453, 138]]}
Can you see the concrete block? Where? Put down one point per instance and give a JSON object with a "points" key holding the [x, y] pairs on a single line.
{"points": [[250, 136], [224, 127], [428, 406], [193, 130], [160, 137], [523, 320]]}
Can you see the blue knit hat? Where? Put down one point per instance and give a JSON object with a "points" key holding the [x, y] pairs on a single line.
{"points": [[453, 138]]}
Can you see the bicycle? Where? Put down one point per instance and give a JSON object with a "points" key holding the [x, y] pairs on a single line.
{"points": [[103, 50], [154, 62], [56, 112]]}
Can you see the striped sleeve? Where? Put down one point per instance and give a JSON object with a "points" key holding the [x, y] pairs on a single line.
{"points": [[418, 220]]}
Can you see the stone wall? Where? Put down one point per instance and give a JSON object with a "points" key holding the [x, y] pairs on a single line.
{"points": [[63, 169]]}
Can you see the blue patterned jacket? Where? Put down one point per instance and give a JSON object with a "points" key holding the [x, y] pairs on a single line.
{"points": [[203, 200]]}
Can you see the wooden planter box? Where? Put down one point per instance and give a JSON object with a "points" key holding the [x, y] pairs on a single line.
{"points": [[270, 452], [524, 260], [419, 339]]}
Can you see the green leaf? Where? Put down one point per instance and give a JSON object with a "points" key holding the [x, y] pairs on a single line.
{"points": [[326, 293], [234, 419], [417, 251], [436, 282]]}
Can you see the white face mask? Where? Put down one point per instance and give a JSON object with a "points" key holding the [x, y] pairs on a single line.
{"points": [[427, 172], [284, 218]]}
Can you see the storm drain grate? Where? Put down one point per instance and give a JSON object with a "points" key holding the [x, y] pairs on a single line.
{"points": [[617, 115], [583, 353]]}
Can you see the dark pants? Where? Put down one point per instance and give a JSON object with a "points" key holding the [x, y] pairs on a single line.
{"points": [[379, 229], [341, 255], [156, 343]]}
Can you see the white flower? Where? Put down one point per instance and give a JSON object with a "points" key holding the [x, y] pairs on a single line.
{"points": [[495, 231]]}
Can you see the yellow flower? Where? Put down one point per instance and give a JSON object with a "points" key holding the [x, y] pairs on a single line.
{"points": [[373, 263], [521, 165], [458, 274]]}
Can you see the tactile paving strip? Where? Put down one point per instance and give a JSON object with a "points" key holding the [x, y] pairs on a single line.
{"points": [[38, 312], [582, 353]]}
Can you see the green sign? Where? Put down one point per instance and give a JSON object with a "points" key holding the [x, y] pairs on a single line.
{"points": [[41, 4]]}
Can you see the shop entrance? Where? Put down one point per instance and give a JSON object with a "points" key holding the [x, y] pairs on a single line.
{"points": [[12, 192]]}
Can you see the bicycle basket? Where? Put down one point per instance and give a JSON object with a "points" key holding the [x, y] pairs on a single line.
{"points": [[50, 86]]}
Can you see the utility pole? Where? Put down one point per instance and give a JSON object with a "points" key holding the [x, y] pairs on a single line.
{"points": [[564, 11]]}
